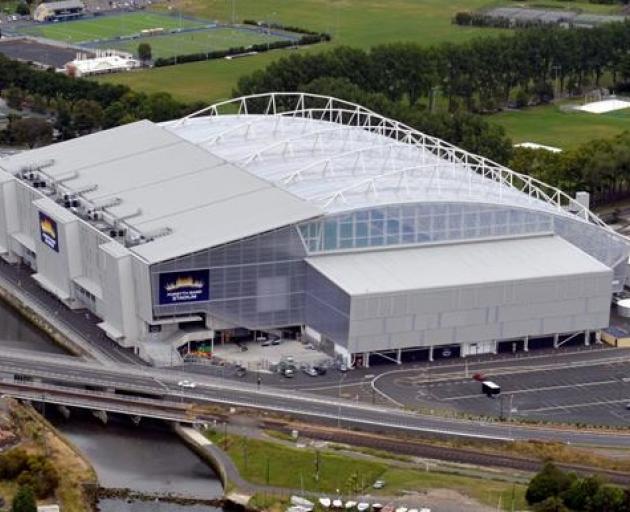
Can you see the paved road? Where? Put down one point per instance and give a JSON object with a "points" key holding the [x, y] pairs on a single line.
{"points": [[227, 392], [77, 323], [571, 388]]}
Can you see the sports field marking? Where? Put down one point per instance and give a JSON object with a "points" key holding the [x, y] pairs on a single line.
{"points": [[109, 27]]}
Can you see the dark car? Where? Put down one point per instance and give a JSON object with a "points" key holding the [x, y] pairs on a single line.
{"points": [[321, 370]]}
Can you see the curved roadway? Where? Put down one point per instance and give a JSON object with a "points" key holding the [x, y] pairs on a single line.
{"points": [[164, 382]]}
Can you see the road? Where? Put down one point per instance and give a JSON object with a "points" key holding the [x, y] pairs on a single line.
{"points": [[212, 390]]}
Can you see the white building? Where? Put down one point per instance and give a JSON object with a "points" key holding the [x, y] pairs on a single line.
{"points": [[309, 214], [104, 62]]}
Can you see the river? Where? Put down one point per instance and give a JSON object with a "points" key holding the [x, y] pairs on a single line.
{"points": [[148, 458]]}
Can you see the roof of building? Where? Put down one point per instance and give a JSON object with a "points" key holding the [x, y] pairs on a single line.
{"points": [[210, 179], [62, 4], [456, 265], [341, 156], [156, 181], [102, 64]]}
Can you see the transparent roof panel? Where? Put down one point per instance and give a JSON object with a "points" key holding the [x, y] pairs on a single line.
{"points": [[341, 156]]}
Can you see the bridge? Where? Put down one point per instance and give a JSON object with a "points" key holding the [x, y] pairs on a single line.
{"points": [[154, 392]]}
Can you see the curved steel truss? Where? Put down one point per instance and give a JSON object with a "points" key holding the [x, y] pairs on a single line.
{"points": [[255, 108]]}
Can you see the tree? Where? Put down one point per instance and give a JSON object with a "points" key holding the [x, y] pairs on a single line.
{"points": [[24, 500], [144, 52], [549, 482], [22, 9], [551, 504], [607, 499], [87, 116], [31, 132], [579, 495], [14, 97]]}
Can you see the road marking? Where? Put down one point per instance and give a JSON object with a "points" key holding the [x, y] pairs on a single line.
{"points": [[534, 390], [573, 406]]}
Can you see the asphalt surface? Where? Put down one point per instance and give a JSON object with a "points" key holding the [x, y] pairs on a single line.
{"points": [[588, 388], [73, 372]]}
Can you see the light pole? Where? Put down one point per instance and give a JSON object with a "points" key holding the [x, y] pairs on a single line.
{"points": [[341, 377]]}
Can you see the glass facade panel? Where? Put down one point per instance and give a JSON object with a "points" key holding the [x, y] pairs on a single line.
{"points": [[256, 282]]}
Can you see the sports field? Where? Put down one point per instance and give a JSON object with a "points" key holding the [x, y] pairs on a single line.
{"points": [[551, 126], [109, 27], [198, 41], [359, 23]]}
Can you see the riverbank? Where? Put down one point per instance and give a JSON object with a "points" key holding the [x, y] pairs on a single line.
{"points": [[38, 437]]}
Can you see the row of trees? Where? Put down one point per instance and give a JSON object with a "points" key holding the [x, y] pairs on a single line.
{"points": [[80, 106], [479, 75], [553, 490], [601, 167]]}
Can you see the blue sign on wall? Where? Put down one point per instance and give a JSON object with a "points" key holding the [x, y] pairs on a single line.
{"points": [[185, 286], [48, 231]]}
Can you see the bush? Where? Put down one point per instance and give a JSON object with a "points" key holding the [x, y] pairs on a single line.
{"points": [[34, 472]]}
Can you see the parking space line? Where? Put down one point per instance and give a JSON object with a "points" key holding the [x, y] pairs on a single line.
{"points": [[531, 390]]}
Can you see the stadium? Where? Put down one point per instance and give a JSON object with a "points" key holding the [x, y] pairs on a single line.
{"points": [[306, 216]]}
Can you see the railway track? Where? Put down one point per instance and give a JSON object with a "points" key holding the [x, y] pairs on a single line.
{"points": [[442, 453]]}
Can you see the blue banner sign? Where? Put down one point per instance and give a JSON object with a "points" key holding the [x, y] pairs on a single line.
{"points": [[48, 231], [185, 286]]}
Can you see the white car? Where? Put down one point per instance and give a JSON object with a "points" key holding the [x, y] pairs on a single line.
{"points": [[187, 384], [379, 484]]}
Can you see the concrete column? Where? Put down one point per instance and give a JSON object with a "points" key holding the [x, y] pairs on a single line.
{"points": [[526, 344], [462, 347], [556, 338], [366, 359], [598, 337], [399, 356], [587, 338], [495, 345], [431, 353]]}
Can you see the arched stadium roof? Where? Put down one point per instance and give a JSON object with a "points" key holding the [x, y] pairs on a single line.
{"points": [[341, 156]]}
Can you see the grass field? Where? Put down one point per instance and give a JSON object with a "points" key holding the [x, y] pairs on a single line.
{"points": [[551, 126], [220, 38], [256, 459], [108, 27], [360, 23]]}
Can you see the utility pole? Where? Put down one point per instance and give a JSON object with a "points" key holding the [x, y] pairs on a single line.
{"points": [[233, 12]]}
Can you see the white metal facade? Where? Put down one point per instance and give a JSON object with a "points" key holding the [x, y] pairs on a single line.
{"points": [[247, 194]]}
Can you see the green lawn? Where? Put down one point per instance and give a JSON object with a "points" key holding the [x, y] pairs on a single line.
{"points": [[220, 38], [295, 469], [551, 126], [108, 27], [360, 23]]}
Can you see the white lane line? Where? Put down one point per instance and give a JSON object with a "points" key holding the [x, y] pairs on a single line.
{"points": [[573, 406], [534, 390]]}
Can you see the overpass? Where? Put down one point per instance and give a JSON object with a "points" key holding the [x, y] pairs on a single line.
{"points": [[153, 392]]}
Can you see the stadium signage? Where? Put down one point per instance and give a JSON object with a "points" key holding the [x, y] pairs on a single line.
{"points": [[186, 286], [48, 231]]}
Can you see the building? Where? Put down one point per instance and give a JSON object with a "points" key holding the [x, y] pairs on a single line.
{"points": [[59, 11], [105, 61], [303, 214]]}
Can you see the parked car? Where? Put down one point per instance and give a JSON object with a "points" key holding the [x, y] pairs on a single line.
{"points": [[187, 384], [266, 343], [275, 341], [379, 484], [288, 373], [321, 370], [309, 370]]}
